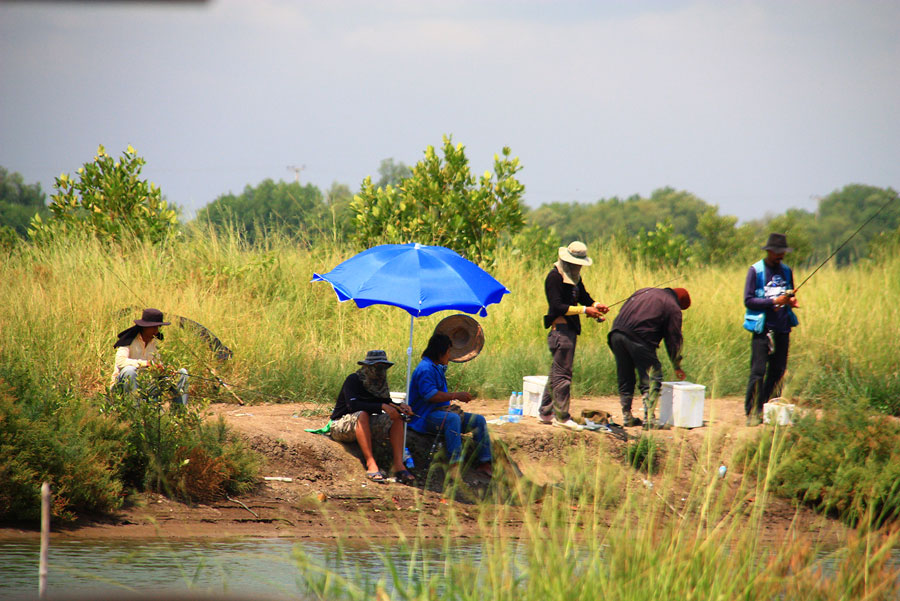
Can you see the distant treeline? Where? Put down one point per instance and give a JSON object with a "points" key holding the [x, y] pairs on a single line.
{"points": [[670, 226]]}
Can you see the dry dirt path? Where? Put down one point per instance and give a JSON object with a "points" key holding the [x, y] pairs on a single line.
{"points": [[328, 495]]}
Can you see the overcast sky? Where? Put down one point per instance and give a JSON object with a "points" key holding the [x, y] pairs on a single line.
{"points": [[753, 106]]}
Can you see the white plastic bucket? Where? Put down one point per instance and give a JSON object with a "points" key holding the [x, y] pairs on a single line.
{"points": [[532, 391], [681, 404]]}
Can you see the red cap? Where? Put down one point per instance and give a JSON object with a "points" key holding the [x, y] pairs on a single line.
{"points": [[684, 299]]}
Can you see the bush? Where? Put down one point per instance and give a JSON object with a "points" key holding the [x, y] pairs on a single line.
{"points": [[845, 463], [107, 200], [171, 450], [74, 449]]}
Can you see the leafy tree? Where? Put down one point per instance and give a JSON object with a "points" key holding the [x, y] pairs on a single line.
{"points": [[391, 173], [843, 211], [662, 246], [617, 217], [442, 203], [719, 240], [19, 202], [109, 200], [796, 224], [298, 210], [337, 200]]}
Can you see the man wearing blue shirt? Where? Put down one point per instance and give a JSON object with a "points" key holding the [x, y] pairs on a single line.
{"points": [[430, 401], [769, 300]]}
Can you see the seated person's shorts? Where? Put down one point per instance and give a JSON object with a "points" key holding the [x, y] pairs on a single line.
{"points": [[344, 429]]}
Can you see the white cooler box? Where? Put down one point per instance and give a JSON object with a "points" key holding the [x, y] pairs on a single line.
{"points": [[681, 404], [778, 412], [532, 391]]}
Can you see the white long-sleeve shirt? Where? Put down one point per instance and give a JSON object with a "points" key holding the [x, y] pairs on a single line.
{"points": [[136, 354]]}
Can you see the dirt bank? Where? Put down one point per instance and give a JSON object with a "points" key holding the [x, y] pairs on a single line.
{"points": [[325, 494]]}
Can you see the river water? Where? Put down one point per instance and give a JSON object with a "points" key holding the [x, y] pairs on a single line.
{"points": [[259, 567], [244, 568]]}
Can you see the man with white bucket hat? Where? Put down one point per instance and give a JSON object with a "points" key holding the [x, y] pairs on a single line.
{"points": [[567, 299]]}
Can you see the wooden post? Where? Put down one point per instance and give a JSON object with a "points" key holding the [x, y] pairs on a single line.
{"points": [[45, 539]]}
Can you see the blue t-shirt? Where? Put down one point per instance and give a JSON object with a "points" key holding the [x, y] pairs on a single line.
{"points": [[427, 379]]}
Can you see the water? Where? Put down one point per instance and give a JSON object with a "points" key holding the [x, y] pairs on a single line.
{"points": [[255, 566]]}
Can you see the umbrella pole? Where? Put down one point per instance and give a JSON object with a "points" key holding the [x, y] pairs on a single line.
{"points": [[408, 371]]}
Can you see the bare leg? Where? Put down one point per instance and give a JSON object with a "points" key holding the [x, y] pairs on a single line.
{"points": [[397, 444], [364, 438]]}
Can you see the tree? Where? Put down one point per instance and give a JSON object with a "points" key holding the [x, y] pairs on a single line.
{"points": [[391, 173], [19, 202], [720, 241], [843, 211], [442, 203], [109, 200], [295, 209]]}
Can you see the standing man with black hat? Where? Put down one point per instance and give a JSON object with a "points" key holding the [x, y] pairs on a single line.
{"points": [[769, 299], [136, 349], [566, 300], [649, 316]]}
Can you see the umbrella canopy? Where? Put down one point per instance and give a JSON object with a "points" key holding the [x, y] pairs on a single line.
{"points": [[419, 279]]}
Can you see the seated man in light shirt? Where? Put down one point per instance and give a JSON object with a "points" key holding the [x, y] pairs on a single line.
{"points": [[136, 349]]}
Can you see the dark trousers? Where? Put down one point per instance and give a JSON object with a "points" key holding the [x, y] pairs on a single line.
{"points": [[636, 356], [557, 393], [765, 383]]}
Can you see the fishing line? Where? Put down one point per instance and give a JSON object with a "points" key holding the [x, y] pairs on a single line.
{"points": [[889, 201], [647, 290]]}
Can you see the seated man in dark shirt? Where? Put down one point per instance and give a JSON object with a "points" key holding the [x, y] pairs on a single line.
{"points": [[364, 409]]}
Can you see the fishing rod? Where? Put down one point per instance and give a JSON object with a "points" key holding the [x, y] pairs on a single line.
{"points": [[647, 290], [889, 201]]}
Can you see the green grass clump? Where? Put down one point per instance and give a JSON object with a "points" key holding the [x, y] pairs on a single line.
{"points": [[843, 461], [652, 543], [644, 454]]}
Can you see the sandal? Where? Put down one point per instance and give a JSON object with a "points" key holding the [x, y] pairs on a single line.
{"points": [[405, 477], [378, 476]]}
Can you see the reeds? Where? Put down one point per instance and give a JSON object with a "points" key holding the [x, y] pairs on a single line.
{"points": [[64, 303], [604, 532]]}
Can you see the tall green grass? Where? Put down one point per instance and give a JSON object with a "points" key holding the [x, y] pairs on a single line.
{"points": [[291, 339], [599, 535]]}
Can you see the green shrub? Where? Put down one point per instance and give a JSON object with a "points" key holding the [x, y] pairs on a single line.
{"points": [[170, 449], [845, 463], [75, 449]]}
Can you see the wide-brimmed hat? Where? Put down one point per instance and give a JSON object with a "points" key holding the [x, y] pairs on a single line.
{"points": [[777, 243], [150, 318], [466, 337], [374, 357], [575, 253]]}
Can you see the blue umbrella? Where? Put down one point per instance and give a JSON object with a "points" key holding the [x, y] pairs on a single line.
{"points": [[417, 278]]}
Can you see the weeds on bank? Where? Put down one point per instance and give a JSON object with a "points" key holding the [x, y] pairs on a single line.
{"points": [[170, 448], [579, 541], [843, 461]]}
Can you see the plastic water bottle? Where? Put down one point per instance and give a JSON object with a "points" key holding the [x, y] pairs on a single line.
{"points": [[407, 459], [520, 406], [513, 399]]}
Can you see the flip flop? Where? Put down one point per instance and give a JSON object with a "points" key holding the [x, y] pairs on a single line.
{"points": [[405, 477], [378, 476]]}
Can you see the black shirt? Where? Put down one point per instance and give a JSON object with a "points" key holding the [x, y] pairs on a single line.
{"points": [[354, 397], [561, 296]]}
